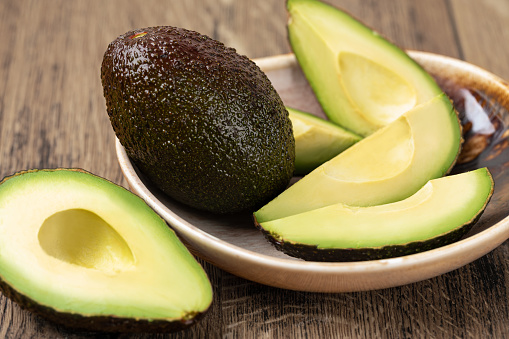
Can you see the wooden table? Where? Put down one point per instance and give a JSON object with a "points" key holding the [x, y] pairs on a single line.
{"points": [[52, 114]]}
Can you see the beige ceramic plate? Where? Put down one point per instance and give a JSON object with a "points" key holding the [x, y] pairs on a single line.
{"points": [[233, 243]]}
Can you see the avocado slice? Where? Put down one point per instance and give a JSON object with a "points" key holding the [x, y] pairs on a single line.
{"points": [[201, 121], [89, 254], [441, 212], [317, 140], [389, 165], [362, 81]]}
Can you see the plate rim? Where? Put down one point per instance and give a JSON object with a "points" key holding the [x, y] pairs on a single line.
{"points": [[484, 241]]}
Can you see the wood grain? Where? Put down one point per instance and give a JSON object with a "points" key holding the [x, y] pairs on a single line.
{"points": [[482, 33], [52, 114]]}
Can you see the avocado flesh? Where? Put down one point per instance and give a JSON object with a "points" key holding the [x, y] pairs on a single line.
{"points": [[199, 120], [362, 81], [389, 165], [317, 140], [84, 251], [443, 208]]}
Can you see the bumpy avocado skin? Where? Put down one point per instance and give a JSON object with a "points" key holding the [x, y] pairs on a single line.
{"points": [[201, 121]]}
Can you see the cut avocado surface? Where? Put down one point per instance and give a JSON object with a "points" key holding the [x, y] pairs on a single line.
{"points": [[439, 213], [317, 140], [389, 165], [87, 253], [362, 81]]}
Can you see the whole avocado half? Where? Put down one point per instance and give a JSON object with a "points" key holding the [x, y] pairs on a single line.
{"points": [[201, 121], [98, 257]]}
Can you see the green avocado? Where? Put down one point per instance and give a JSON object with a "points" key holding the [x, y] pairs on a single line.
{"points": [[439, 213], [362, 81], [199, 120], [389, 165], [88, 254], [317, 140]]}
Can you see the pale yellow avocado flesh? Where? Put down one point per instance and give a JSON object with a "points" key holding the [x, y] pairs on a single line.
{"points": [[361, 80], [440, 206], [317, 140], [389, 165], [376, 93], [79, 244]]}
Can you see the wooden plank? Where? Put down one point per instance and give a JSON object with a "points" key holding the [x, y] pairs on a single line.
{"points": [[52, 114], [483, 32]]}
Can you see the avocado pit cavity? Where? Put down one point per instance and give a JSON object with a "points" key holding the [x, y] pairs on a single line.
{"points": [[83, 238]]}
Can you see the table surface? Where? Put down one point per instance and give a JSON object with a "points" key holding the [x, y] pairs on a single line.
{"points": [[52, 114]]}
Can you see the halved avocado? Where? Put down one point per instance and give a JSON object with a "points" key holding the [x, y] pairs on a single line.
{"points": [[89, 254], [362, 81], [389, 165], [439, 213], [317, 140]]}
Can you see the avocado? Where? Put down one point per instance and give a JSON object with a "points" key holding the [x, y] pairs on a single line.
{"points": [[199, 120], [317, 140], [362, 81], [88, 254], [389, 165], [441, 212]]}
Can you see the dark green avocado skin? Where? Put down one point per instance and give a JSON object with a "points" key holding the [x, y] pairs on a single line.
{"points": [[199, 120]]}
